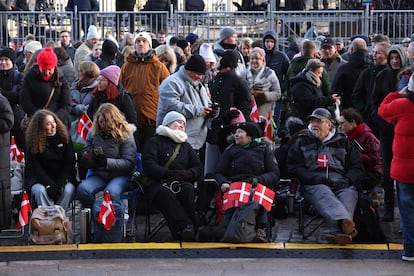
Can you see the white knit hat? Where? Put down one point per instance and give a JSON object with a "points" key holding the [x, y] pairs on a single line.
{"points": [[173, 116], [207, 53], [146, 36], [92, 33], [33, 46]]}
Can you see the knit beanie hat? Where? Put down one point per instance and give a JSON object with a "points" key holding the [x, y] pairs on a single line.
{"points": [[251, 129], [207, 52], [258, 50], [411, 83], [8, 53], [239, 119], [294, 124], [33, 46], [47, 59], [173, 116], [230, 59], [191, 38], [146, 36], [196, 64], [112, 73], [92, 33], [109, 48], [226, 32]]}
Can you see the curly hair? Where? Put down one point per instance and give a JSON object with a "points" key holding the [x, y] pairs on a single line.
{"points": [[36, 134], [113, 122]]}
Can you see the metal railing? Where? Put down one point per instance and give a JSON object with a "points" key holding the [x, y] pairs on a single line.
{"points": [[338, 23]]}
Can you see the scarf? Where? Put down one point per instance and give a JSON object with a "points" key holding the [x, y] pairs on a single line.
{"points": [[178, 136], [313, 78], [355, 131], [254, 78]]}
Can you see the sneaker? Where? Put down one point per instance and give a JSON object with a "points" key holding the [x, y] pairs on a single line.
{"points": [[407, 258], [348, 227], [261, 235], [341, 239]]}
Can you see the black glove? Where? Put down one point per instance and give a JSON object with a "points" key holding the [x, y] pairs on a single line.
{"points": [[323, 180], [53, 192], [101, 161], [341, 184], [229, 115], [87, 161], [180, 175]]}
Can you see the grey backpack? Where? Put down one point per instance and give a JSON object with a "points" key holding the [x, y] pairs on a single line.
{"points": [[242, 225]]}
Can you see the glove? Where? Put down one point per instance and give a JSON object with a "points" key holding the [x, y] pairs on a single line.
{"points": [[53, 192], [87, 161], [179, 175], [101, 161], [341, 184], [260, 98], [323, 180], [229, 115], [253, 181]]}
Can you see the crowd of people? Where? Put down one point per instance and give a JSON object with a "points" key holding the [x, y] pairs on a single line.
{"points": [[189, 108]]}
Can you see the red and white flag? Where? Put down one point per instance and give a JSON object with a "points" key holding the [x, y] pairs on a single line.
{"points": [[15, 153], [323, 160], [239, 193], [107, 213], [268, 128], [227, 204], [25, 209], [254, 114], [85, 124], [264, 196]]}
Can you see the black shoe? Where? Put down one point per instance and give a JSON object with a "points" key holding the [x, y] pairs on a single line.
{"points": [[187, 234], [388, 216]]}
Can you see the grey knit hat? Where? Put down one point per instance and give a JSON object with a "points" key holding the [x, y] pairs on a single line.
{"points": [[226, 32], [173, 116]]}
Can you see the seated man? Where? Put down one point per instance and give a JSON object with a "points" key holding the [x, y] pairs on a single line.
{"points": [[329, 167]]}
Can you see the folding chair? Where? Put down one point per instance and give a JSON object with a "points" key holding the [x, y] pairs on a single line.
{"points": [[310, 223], [12, 233]]}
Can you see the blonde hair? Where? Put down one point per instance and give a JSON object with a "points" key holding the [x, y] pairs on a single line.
{"points": [[115, 123], [89, 69], [36, 134], [166, 52]]}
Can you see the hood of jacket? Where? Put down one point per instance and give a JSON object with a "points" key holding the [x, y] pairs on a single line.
{"points": [[399, 49]]}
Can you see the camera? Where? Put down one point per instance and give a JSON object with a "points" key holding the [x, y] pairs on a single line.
{"points": [[215, 110]]}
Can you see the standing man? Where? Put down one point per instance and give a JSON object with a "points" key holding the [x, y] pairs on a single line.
{"points": [[87, 6], [125, 6], [184, 92], [331, 58], [86, 47], [141, 75], [66, 44], [228, 41]]}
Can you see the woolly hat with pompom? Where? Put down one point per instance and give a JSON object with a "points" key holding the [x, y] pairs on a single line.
{"points": [[47, 59]]}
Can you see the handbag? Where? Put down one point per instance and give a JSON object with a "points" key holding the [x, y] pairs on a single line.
{"points": [[24, 123]]}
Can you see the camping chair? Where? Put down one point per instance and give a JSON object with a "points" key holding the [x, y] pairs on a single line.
{"points": [[13, 233]]}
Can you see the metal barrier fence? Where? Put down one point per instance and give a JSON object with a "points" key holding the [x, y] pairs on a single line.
{"points": [[338, 23]]}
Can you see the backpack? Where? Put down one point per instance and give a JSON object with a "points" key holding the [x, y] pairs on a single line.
{"points": [[367, 221], [242, 225], [50, 226], [116, 234]]}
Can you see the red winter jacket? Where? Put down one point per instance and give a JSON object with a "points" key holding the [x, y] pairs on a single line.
{"points": [[399, 110]]}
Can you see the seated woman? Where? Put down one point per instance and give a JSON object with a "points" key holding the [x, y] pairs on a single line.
{"points": [[367, 144], [110, 154], [172, 165], [50, 160], [247, 160]]}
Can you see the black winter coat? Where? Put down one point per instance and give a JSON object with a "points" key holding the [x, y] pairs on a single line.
{"points": [[157, 5], [238, 164], [36, 91], [6, 124], [125, 5], [347, 76], [307, 97]]}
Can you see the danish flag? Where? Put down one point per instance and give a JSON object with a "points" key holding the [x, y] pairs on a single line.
{"points": [[85, 124], [227, 204], [264, 196], [268, 128], [323, 160], [238, 194], [254, 114], [15, 153], [25, 208], [107, 213]]}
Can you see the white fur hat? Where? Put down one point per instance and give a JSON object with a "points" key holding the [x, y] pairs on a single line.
{"points": [[33, 46], [92, 32], [207, 53]]}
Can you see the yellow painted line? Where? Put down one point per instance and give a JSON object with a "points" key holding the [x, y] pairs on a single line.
{"points": [[336, 246], [35, 248], [213, 245], [395, 246], [127, 246]]}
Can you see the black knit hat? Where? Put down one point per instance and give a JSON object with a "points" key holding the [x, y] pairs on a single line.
{"points": [[9, 53], [251, 129], [109, 48], [196, 64], [230, 58], [182, 43]]}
